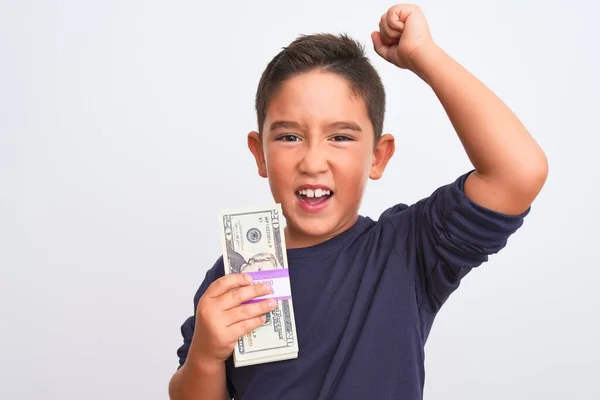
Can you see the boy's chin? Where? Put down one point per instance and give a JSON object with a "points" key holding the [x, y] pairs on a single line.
{"points": [[315, 230]]}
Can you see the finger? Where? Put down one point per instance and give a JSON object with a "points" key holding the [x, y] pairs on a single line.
{"points": [[246, 326], [248, 311], [378, 45], [235, 297], [403, 11], [389, 36], [394, 21], [227, 283]]}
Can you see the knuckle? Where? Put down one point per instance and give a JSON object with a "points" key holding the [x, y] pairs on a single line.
{"points": [[240, 279], [244, 312], [235, 278], [258, 321], [235, 295], [264, 306], [204, 315], [219, 284], [202, 309]]}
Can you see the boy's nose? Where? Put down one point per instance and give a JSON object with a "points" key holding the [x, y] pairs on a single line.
{"points": [[314, 161]]}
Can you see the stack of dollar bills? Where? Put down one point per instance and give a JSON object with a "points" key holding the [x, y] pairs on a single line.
{"points": [[254, 243]]}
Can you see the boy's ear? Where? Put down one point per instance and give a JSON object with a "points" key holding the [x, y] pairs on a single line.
{"points": [[383, 152], [255, 146]]}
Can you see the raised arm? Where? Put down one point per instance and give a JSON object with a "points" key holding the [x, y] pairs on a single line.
{"points": [[510, 167]]}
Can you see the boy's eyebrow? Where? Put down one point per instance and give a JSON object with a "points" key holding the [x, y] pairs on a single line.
{"points": [[353, 126], [284, 125]]}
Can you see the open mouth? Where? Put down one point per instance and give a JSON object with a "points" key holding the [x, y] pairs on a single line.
{"points": [[314, 196]]}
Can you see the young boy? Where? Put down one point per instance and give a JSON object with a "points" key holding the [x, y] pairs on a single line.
{"points": [[365, 293]]}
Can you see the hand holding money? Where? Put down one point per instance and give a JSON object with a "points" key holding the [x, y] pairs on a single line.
{"points": [[222, 318], [254, 243]]}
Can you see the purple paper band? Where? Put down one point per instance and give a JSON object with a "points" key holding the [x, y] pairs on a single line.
{"points": [[269, 274], [274, 298]]}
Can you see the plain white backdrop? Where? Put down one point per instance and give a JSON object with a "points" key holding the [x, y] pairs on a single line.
{"points": [[123, 133]]}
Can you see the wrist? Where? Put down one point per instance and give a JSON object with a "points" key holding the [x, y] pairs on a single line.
{"points": [[424, 56], [202, 366], [201, 363]]}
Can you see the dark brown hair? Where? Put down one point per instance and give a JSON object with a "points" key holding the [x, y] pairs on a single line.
{"points": [[340, 55]]}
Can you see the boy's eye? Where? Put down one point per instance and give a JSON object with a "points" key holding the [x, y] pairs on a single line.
{"points": [[288, 138], [341, 138]]}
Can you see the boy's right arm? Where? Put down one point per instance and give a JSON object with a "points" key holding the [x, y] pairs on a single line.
{"points": [[221, 319], [199, 381]]}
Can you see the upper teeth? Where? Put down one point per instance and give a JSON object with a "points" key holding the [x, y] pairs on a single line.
{"points": [[314, 193]]}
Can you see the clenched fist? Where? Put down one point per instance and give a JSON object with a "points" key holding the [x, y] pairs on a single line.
{"points": [[403, 29]]}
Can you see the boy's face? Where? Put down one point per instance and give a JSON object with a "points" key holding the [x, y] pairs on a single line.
{"points": [[317, 151]]}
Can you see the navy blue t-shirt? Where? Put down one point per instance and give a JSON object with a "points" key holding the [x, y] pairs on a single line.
{"points": [[364, 301]]}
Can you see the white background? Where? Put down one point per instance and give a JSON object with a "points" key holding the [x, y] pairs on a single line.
{"points": [[123, 133]]}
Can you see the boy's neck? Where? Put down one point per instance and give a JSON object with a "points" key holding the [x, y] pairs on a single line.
{"points": [[296, 239]]}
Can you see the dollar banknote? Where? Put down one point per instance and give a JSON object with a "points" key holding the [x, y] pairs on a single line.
{"points": [[254, 243]]}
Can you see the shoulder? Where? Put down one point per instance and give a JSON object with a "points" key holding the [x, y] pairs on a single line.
{"points": [[215, 272], [394, 211], [218, 269], [449, 195]]}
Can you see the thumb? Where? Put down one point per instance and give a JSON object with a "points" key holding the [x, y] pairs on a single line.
{"points": [[378, 45]]}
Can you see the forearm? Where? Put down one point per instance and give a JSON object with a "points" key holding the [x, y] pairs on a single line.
{"points": [[498, 145], [196, 381]]}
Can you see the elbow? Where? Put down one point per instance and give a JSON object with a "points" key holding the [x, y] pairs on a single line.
{"points": [[539, 172], [517, 182], [532, 176]]}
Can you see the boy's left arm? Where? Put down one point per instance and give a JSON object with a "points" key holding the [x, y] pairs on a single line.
{"points": [[510, 167]]}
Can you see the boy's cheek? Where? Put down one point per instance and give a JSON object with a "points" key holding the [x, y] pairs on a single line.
{"points": [[281, 168], [281, 185], [279, 160]]}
